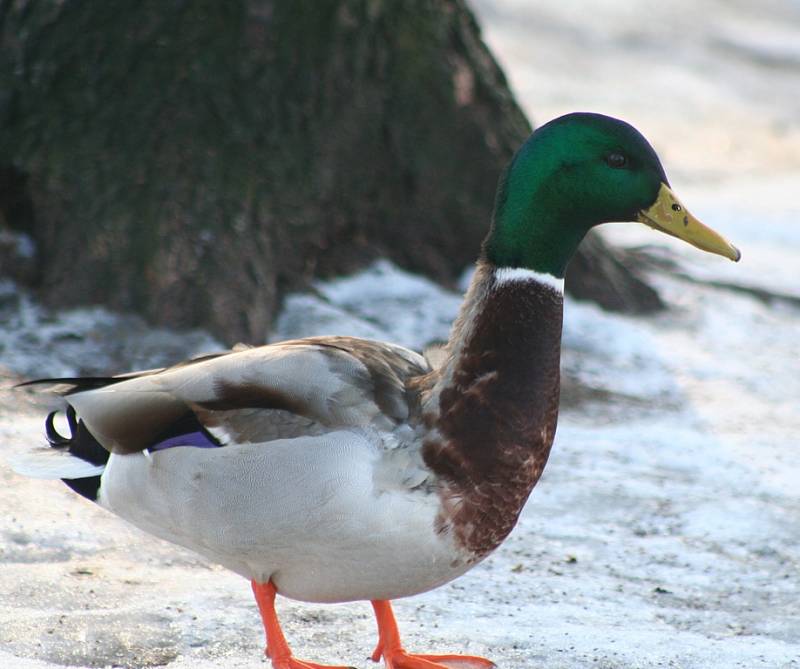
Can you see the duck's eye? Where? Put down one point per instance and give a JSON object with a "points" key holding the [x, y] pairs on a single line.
{"points": [[616, 160]]}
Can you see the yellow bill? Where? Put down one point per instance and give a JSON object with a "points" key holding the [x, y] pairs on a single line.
{"points": [[667, 214]]}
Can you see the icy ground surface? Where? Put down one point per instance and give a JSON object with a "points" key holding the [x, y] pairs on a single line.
{"points": [[666, 529]]}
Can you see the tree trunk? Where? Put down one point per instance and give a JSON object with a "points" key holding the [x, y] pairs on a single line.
{"points": [[194, 160]]}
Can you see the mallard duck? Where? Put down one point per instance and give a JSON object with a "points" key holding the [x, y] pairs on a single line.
{"points": [[334, 469]]}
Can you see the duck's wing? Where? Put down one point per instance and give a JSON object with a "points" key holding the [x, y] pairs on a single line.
{"points": [[305, 386]]}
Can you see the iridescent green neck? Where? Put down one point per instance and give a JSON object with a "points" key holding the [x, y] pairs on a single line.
{"points": [[539, 218], [532, 226], [533, 237]]}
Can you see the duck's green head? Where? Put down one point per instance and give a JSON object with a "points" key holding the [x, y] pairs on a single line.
{"points": [[575, 172]]}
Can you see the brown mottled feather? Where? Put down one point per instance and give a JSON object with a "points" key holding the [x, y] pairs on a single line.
{"points": [[497, 415], [389, 367], [243, 426], [230, 396]]}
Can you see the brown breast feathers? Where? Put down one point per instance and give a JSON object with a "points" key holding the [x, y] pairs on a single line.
{"points": [[497, 415]]}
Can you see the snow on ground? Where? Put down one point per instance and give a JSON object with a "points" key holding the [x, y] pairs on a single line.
{"points": [[37, 341], [666, 529]]}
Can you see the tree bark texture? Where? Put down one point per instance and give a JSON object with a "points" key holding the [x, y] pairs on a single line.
{"points": [[192, 161]]}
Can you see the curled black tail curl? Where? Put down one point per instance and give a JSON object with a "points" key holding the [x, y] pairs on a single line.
{"points": [[80, 443], [53, 437]]}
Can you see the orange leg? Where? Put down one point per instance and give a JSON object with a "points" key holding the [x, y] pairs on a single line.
{"points": [[277, 649], [390, 648]]}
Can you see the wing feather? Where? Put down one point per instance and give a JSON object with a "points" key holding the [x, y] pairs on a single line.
{"points": [[297, 387]]}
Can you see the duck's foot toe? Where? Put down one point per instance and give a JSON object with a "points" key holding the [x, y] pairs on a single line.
{"points": [[402, 660], [459, 661], [291, 662]]}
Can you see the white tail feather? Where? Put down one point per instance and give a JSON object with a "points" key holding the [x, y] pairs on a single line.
{"points": [[52, 463]]}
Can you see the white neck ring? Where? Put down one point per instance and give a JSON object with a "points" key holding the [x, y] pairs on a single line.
{"points": [[504, 275]]}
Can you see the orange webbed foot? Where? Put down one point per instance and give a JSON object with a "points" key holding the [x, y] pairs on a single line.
{"points": [[293, 663], [390, 649], [400, 659]]}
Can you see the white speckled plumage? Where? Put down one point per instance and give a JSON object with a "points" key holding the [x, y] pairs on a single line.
{"points": [[326, 518]]}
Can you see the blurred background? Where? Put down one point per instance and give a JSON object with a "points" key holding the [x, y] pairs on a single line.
{"points": [[176, 177], [714, 83]]}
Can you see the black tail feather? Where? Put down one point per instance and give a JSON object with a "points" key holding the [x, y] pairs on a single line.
{"points": [[53, 437], [82, 444], [73, 384]]}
